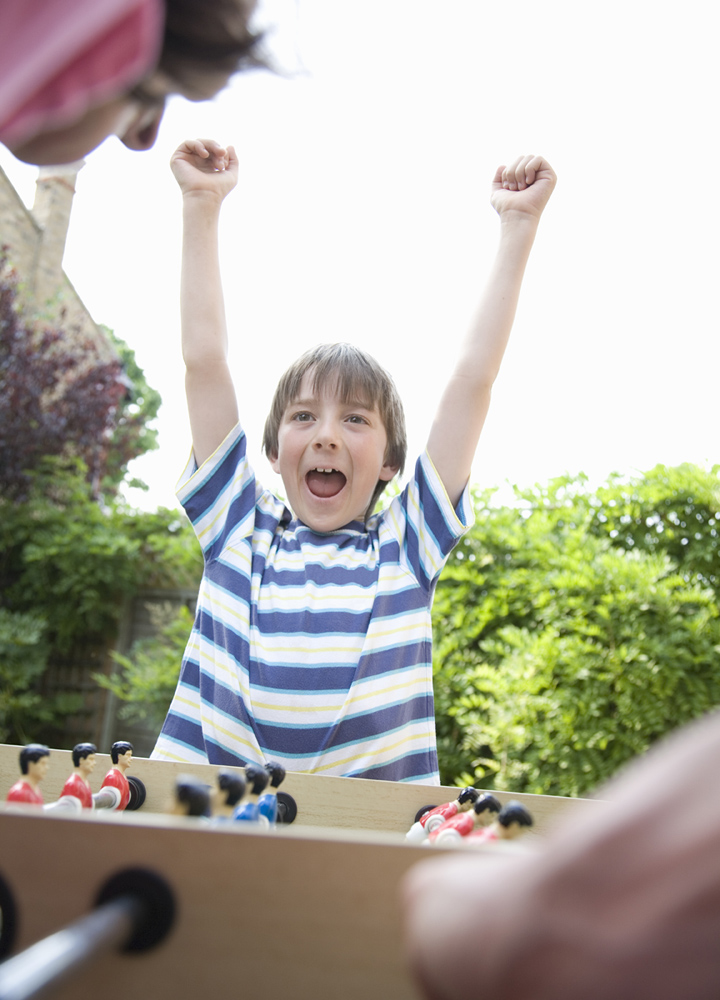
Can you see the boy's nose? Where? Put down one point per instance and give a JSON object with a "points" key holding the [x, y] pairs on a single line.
{"points": [[322, 442], [325, 436]]}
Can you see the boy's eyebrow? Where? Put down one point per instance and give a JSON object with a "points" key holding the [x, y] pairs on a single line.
{"points": [[353, 403]]}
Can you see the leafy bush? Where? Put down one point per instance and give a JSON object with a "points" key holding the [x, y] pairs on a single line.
{"points": [[23, 658], [573, 630], [149, 674], [56, 396], [70, 552], [71, 563], [132, 431]]}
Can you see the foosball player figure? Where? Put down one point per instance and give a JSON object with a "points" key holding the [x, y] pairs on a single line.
{"points": [[227, 793], [268, 803], [463, 824], [77, 786], [433, 818], [191, 798], [34, 762], [257, 780], [513, 820], [121, 756]]}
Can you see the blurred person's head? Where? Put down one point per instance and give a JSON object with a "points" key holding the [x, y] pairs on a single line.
{"points": [[73, 72]]}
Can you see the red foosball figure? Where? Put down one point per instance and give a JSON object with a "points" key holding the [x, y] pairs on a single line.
{"points": [[34, 762], [513, 820], [121, 756], [77, 786], [433, 818], [463, 824]]}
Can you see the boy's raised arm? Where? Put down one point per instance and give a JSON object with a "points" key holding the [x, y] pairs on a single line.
{"points": [[206, 173], [519, 195]]}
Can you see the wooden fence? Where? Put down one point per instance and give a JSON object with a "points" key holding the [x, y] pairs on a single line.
{"points": [[97, 718]]}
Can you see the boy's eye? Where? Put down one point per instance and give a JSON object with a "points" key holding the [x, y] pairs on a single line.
{"points": [[302, 415], [357, 419]]}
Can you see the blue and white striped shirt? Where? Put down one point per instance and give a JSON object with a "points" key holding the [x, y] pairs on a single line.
{"points": [[311, 649]]}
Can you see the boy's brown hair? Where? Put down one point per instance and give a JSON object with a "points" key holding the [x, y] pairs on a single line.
{"points": [[358, 377]]}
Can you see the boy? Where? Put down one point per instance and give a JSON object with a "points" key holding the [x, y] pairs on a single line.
{"points": [[312, 640]]}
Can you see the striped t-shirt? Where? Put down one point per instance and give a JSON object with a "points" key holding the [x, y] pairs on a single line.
{"points": [[311, 649]]}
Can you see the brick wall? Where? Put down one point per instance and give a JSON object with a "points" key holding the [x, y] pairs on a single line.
{"points": [[36, 242]]}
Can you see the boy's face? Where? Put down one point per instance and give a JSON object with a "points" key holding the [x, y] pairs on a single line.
{"points": [[330, 456]]}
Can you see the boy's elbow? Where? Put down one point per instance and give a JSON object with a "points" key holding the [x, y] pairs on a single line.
{"points": [[206, 372], [473, 385], [204, 363]]}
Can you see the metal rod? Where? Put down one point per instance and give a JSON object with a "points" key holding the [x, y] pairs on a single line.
{"points": [[44, 964]]}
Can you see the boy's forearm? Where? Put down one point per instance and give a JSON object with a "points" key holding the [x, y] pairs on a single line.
{"points": [[465, 402], [211, 399], [206, 173], [484, 346], [202, 307]]}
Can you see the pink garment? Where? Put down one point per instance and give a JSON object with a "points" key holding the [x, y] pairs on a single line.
{"points": [[60, 57]]}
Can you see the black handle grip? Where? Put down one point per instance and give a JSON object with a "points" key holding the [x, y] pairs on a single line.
{"points": [[134, 911]]}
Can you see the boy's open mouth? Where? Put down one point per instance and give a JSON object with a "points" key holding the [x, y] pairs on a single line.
{"points": [[325, 482]]}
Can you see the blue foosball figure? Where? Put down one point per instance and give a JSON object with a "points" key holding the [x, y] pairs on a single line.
{"points": [[248, 811], [268, 803]]}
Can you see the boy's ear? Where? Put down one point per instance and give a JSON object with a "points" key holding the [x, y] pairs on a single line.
{"points": [[388, 472], [273, 460]]}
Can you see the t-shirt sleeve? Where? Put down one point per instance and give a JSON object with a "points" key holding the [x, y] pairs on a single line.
{"points": [[219, 497], [424, 523]]}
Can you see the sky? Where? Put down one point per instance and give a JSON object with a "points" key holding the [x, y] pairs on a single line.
{"points": [[362, 214]]}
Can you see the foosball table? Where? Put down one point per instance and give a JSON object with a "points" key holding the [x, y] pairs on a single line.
{"points": [[310, 909]]}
